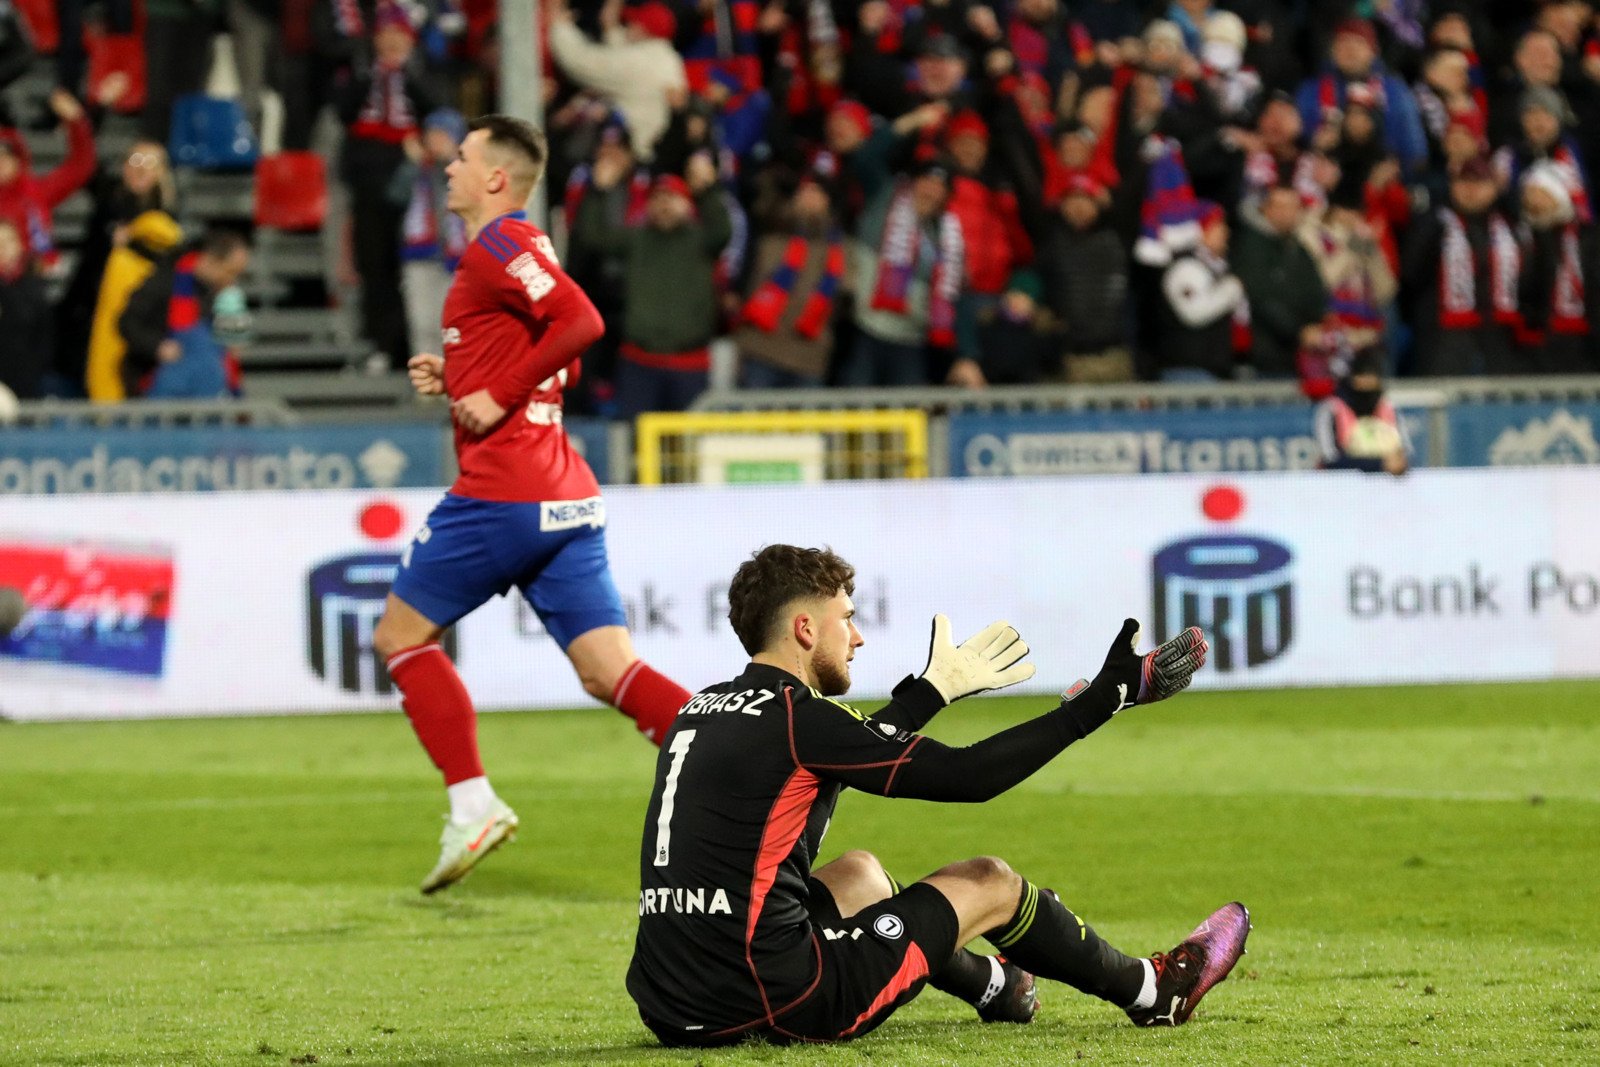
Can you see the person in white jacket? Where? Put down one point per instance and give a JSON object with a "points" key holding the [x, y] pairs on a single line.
{"points": [[634, 66]]}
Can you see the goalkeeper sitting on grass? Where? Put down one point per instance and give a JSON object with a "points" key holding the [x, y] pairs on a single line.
{"points": [[739, 937]]}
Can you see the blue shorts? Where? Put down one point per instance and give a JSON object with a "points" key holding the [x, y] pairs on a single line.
{"points": [[555, 552]]}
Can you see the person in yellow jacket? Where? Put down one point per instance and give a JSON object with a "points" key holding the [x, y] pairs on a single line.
{"points": [[148, 237]]}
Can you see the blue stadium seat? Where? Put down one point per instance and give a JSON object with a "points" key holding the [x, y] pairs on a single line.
{"points": [[211, 134]]}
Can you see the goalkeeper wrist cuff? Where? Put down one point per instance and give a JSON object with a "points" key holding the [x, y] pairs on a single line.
{"points": [[1085, 707], [920, 699]]}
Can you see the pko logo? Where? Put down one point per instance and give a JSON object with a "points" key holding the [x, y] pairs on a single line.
{"points": [[344, 601], [1238, 588]]}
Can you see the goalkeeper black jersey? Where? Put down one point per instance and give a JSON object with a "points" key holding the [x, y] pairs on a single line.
{"points": [[745, 785]]}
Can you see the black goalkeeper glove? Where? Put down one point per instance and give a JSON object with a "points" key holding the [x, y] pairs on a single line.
{"points": [[1129, 678]]}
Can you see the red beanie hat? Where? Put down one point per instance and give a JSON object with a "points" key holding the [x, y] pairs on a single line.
{"points": [[966, 122], [653, 17]]}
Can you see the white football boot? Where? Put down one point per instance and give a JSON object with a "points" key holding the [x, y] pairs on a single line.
{"points": [[462, 845]]}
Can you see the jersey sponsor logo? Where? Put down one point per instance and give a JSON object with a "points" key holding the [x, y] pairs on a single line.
{"points": [[839, 935], [749, 701], [681, 901], [571, 514], [889, 927], [450, 335], [534, 278]]}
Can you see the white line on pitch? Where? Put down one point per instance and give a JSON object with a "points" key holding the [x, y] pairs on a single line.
{"points": [[292, 800], [1357, 792]]}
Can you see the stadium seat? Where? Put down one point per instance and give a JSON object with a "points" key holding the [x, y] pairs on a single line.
{"points": [[117, 53], [40, 16], [211, 134], [291, 191]]}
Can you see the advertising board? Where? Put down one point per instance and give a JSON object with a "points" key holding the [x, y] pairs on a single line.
{"points": [[243, 602]]}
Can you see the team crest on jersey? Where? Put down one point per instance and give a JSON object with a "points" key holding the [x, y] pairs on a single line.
{"points": [[886, 731], [450, 336]]}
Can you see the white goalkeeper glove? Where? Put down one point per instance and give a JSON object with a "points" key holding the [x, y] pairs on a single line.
{"points": [[989, 659]]}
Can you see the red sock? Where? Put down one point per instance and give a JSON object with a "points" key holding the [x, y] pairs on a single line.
{"points": [[650, 699], [439, 709]]}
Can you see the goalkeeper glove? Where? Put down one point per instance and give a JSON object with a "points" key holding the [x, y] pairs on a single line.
{"points": [[1129, 678], [986, 660]]}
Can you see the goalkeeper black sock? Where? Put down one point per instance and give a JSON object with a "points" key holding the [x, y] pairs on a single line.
{"points": [[1047, 939], [966, 976]]}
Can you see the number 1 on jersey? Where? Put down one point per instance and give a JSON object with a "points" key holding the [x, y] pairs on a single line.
{"points": [[677, 750]]}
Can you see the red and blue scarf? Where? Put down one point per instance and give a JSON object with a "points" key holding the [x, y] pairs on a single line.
{"points": [[765, 309], [898, 253]]}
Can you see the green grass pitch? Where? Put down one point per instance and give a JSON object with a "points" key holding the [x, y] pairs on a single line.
{"points": [[1421, 864]]}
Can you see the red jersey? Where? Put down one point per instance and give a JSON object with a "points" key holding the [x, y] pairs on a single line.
{"points": [[514, 324]]}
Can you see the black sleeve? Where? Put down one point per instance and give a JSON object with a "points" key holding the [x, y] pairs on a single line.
{"points": [[835, 742], [912, 705], [144, 322]]}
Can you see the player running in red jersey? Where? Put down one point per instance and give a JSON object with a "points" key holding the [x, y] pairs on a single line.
{"points": [[526, 512]]}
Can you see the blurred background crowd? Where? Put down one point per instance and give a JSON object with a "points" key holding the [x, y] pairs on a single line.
{"points": [[836, 193]]}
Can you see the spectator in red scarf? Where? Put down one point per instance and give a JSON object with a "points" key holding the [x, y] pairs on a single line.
{"points": [[797, 274], [1555, 300], [1268, 155], [985, 204], [1460, 265], [27, 199], [1446, 92], [908, 262], [382, 108]]}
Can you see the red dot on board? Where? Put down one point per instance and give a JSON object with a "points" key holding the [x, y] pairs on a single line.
{"points": [[381, 521], [1222, 503]]}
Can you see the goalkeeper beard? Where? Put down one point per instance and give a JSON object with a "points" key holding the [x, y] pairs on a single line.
{"points": [[833, 673]]}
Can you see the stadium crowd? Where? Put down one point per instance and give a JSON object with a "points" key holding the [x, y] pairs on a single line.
{"points": [[877, 193]]}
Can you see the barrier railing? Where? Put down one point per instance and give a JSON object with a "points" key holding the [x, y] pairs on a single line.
{"points": [[69, 414]]}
